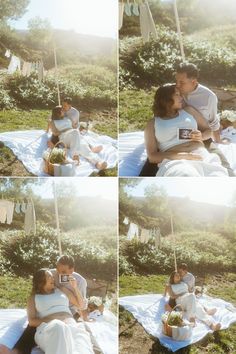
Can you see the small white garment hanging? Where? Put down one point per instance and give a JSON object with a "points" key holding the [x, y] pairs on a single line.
{"points": [[121, 14], [145, 235], [26, 68], [23, 207], [30, 219], [17, 207], [147, 24], [14, 65], [40, 71], [128, 11], [135, 9], [132, 232], [8, 53], [7, 208], [126, 221]]}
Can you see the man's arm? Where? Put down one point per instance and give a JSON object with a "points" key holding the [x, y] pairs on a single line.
{"points": [[214, 121]]}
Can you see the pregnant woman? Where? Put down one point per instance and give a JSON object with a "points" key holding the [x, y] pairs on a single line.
{"points": [[174, 138], [48, 310]]}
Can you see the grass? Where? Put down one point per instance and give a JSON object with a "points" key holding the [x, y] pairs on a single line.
{"points": [[104, 122], [135, 337], [135, 109]]}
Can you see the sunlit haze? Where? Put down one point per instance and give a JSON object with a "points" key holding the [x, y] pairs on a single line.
{"points": [[95, 17], [207, 190]]}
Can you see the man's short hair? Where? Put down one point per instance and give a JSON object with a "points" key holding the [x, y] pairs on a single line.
{"points": [[67, 100], [183, 266], [191, 70], [66, 260]]}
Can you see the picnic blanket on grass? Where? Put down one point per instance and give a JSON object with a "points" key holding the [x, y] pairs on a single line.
{"points": [[151, 319], [104, 330], [132, 153], [29, 146]]}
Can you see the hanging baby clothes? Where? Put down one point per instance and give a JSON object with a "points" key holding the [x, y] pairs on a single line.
{"points": [[121, 14], [23, 207], [126, 221], [17, 207], [14, 65], [147, 24], [127, 8], [6, 211], [40, 71], [135, 9], [30, 219], [157, 237], [132, 232], [145, 235], [26, 68], [8, 53]]}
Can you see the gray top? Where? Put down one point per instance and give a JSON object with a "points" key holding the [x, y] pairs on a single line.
{"points": [[189, 279], [205, 101], [73, 115]]}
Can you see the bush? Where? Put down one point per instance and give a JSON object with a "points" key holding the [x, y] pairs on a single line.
{"points": [[153, 63], [199, 250], [24, 254]]}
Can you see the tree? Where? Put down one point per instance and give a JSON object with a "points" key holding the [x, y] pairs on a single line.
{"points": [[12, 9], [40, 33]]}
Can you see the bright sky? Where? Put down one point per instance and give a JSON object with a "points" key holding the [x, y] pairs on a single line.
{"points": [[104, 187], [96, 17], [208, 190]]}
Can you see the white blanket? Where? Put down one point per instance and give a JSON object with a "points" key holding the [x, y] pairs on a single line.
{"points": [[29, 146], [104, 330], [151, 319], [132, 153]]}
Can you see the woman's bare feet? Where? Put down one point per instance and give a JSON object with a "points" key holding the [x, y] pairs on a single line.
{"points": [[215, 326], [101, 165], [96, 149], [211, 312], [76, 158]]}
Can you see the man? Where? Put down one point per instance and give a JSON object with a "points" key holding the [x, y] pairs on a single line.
{"points": [[187, 277], [205, 102], [70, 112], [65, 266]]}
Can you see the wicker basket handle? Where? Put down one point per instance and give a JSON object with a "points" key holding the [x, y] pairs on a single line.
{"points": [[172, 311], [59, 142]]}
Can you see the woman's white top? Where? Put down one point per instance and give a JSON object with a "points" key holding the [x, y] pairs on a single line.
{"points": [[167, 130], [63, 124], [179, 288], [48, 304]]}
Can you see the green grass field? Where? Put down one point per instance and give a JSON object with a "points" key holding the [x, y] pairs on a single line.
{"points": [[103, 123], [134, 336]]}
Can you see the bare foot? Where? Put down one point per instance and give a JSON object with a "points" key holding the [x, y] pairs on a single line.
{"points": [[50, 144], [97, 149], [193, 321], [215, 326], [76, 158], [211, 312], [101, 165]]}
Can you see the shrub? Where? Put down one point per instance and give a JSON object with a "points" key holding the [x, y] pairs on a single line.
{"points": [[153, 63], [24, 254]]}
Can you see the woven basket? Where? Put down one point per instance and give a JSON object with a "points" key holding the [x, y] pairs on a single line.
{"points": [[166, 328], [48, 166]]}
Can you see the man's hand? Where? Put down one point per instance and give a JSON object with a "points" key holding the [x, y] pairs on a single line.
{"points": [[73, 282], [216, 136]]}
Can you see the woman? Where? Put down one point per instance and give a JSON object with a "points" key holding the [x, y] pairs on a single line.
{"points": [[62, 130], [174, 138], [48, 310], [193, 309]]}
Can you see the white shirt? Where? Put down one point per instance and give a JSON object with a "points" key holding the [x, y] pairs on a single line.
{"points": [[73, 115], [189, 279], [205, 101], [48, 304]]}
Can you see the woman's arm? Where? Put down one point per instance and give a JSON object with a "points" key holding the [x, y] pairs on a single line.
{"points": [[156, 156], [75, 299], [202, 125]]}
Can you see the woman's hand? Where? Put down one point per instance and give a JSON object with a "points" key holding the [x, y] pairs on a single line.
{"points": [[188, 156], [196, 135], [72, 282]]}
